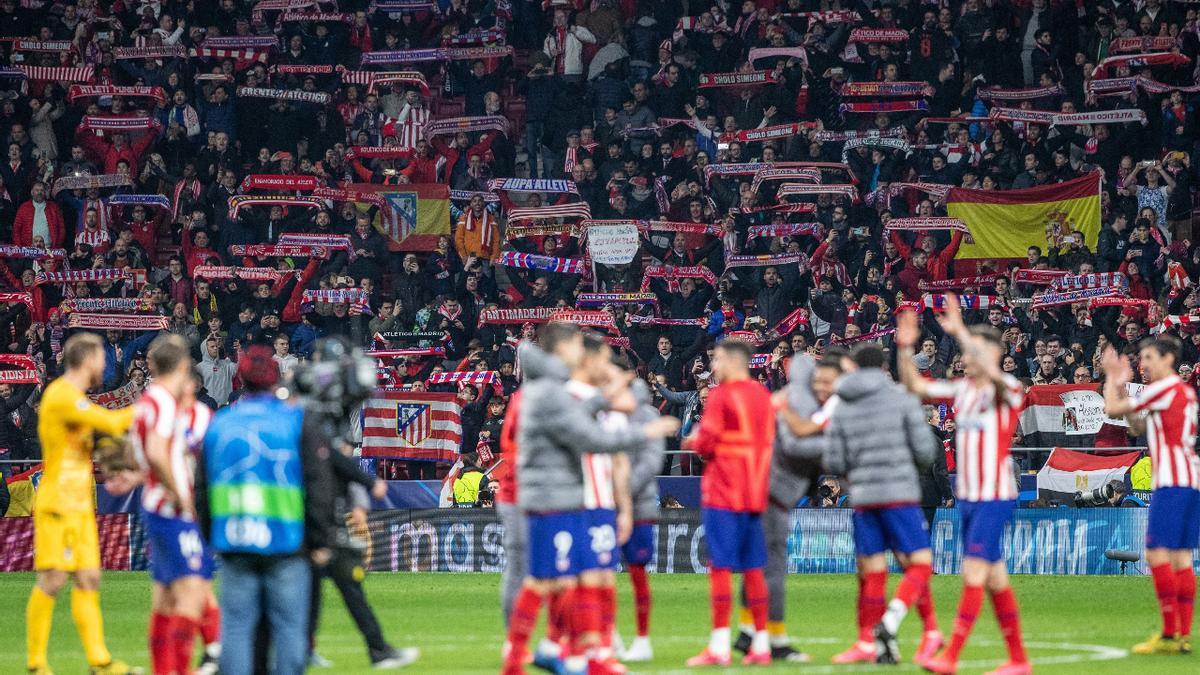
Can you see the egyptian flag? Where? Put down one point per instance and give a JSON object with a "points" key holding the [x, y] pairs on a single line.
{"points": [[1067, 472]]}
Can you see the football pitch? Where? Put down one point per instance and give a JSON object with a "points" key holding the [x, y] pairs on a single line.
{"points": [[1071, 624]]}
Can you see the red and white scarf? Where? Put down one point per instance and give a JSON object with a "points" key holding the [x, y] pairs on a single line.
{"points": [[551, 212], [117, 321], [464, 377], [485, 222], [925, 224], [515, 316]]}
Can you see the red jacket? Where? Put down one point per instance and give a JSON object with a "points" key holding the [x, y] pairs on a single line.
{"points": [[23, 225], [736, 434], [938, 265], [105, 153], [452, 153]]}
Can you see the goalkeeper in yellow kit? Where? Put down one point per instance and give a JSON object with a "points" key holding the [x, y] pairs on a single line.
{"points": [[65, 540]]}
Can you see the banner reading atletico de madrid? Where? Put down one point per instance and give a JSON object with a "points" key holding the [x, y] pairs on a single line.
{"points": [[413, 215], [1005, 223]]}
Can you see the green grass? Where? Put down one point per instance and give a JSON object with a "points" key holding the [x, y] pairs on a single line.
{"points": [[1072, 624]]}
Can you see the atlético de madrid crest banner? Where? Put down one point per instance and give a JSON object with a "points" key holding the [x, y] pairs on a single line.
{"points": [[414, 425], [413, 215]]}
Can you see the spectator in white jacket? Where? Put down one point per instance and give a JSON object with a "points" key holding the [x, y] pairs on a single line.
{"points": [[564, 45]]}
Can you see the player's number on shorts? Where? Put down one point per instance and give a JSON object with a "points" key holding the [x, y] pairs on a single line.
{"points": [[604, 538], [190, 545], [562, 550]]}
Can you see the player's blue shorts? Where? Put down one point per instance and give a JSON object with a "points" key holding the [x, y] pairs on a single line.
{"points": [[639, 550], [735, 539], [556, 542], [600, 551], [176, 549], [1174, 519], [892, 528], [983, 528]]}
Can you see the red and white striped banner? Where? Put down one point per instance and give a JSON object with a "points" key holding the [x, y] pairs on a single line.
{"points": [[78, 91], [247, 273], [421, 426], [550, 212], [464, 377], [58, 73]]}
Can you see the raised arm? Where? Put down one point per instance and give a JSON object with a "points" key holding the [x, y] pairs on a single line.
{"points": [[1117, 373], [907, 334]]}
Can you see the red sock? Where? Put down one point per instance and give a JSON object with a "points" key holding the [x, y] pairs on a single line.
{"points": [[925, 608], [555, 617], [859, 615], [914, 584], [210, 625], [641, 598], [183, 641], [521, 622], [1005, 604], [968, 611], [720, 587], [1185, 598], [608, 614], [1164, 587], [162, 656], [755, 585], [873, 603], [585, 614]]}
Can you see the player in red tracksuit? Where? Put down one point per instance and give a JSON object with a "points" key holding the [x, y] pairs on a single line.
{"points": [[735, 437]]}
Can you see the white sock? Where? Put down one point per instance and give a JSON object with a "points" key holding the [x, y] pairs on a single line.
{"points": [[896, 611], [781, 641], [761, 642], [549, 647], [575, 663], [718, 641], [213, 650], [747, 628]]}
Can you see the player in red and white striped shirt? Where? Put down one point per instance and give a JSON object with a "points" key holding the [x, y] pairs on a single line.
{"points": [[1173, 526], [167, 419], [987, 404]]}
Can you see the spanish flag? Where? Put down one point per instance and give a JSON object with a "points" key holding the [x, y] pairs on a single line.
{"points": [[1005, 223], [413, 216], [21, 489]]}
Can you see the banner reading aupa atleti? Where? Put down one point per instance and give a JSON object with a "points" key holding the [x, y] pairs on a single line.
{"points": [[1005, 223], [413, 216]]}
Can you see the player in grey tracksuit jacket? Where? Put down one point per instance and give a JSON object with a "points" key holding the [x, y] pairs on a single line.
{"points": [[878, 440], [554, 430]]}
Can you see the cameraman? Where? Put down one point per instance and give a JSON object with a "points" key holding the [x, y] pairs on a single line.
{"points": [[333, 386]]}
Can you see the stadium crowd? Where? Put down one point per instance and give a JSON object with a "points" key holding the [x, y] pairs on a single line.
{"points": [[198, 168]]}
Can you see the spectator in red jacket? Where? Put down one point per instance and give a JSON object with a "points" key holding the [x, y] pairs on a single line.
{"points": [[108, 153], [39, 218], [457, 152]]}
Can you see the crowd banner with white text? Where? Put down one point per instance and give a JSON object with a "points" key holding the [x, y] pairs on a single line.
{"points": [[1055, 541]]}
